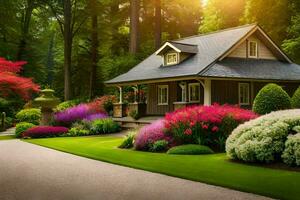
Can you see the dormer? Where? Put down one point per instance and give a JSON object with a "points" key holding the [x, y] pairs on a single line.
{"points": [[173, 53]]}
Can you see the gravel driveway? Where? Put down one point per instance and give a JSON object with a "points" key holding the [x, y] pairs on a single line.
{"points": [[30, 172]]}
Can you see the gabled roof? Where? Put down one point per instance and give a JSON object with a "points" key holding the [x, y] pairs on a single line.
{"points": [[178, 47], [211, 48], [253, 69]]}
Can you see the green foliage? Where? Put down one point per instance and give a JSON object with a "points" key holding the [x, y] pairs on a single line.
{"points": [[103, 126], [22, 127], [73, 132], [295, 100], [134, 114], [128, 141], [190, 149], [32, 115], [262, 139], [159, 146], [271, 98], [216, 15], [291, 153], [296, 129], [67, 104]]}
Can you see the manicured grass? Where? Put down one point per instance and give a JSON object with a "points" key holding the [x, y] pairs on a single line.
{"points": [[214, 169], [7, 137]]}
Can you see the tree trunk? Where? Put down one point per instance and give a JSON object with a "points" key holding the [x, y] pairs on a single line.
{"points": [[157, 24], [94, 48], [134, 26], [68, 39], [25, 29]]}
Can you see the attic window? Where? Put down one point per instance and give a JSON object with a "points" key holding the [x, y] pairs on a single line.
{"points": [[171, 58], [252, 49]]}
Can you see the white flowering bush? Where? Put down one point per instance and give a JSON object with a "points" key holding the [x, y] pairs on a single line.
{"points": [[291, 153], [262, 139]]}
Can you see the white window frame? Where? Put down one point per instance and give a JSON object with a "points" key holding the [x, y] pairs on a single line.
{"points": [[248, 93], [183, 91], [159, 97], [174, 62], [249, 48], [190, 86]]}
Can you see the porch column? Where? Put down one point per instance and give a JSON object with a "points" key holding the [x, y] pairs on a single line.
{"points": [[121, 95], [207, 92], [136, 90]]}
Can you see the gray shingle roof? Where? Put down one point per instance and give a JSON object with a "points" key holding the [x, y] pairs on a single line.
{"points": [[254, 69], [210, 48], [187, 48]]}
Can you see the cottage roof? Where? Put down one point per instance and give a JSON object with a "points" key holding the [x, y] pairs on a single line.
{"points": [[208, 60]]}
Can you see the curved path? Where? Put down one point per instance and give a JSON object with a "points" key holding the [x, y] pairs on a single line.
{"points": [[30, 172]]}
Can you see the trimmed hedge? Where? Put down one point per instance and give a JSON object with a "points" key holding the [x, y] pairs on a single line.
{"points": [[271, 98], [22, 127], [295, 100], [45, 131], [190, 149], [32, 115]]}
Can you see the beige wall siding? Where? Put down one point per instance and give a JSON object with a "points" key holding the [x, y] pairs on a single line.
{"points": [[263, 51]]}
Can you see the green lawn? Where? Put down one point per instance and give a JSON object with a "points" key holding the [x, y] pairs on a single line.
{"points": [[7, 137], [213, 169]]}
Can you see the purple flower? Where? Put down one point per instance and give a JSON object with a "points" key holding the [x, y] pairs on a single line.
{"points": [[150, 134], [73, 114], [92, 117], [45, 131]]}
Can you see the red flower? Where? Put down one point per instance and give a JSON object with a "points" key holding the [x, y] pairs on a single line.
{"points": [[192, 124], [215, 129], [188, 131], [204, 126]]}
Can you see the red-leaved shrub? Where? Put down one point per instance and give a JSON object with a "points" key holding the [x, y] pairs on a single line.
{"points": [[206, 125], [45, 131], [149, 134]]}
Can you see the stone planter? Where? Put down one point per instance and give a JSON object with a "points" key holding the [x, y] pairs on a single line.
{"points": [[140, 108], [119, 110]]}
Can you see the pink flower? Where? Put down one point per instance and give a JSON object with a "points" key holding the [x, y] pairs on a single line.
{"points": [[192, 124], [188, 131], [215, 129], [204, 126]]}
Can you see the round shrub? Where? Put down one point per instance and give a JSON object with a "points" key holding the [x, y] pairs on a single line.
{"points": [[22, 127], [149, 134], [45, 131], [262, 139], [103, 126], [291, 153], [32, 115], [295, 100], [190, 149], [159, 146], [271, 98]]}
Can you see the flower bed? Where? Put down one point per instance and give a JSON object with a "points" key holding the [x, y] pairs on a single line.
{"points": [[205, 125], [45, 131], [149, 134], [262, 139]]}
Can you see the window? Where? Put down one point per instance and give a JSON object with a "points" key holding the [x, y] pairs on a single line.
{"points": [[244, 94], [194, 92], [252, 49], [163, 95], [172, 58], [183, 91]]}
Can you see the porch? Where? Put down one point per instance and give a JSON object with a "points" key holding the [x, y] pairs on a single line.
{"points": [[162, 97]]}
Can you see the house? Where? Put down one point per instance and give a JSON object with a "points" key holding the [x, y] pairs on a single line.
{"points": [[227, 66]]}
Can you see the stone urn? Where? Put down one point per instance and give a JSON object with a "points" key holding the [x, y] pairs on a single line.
{"points": [[47, 101]]}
